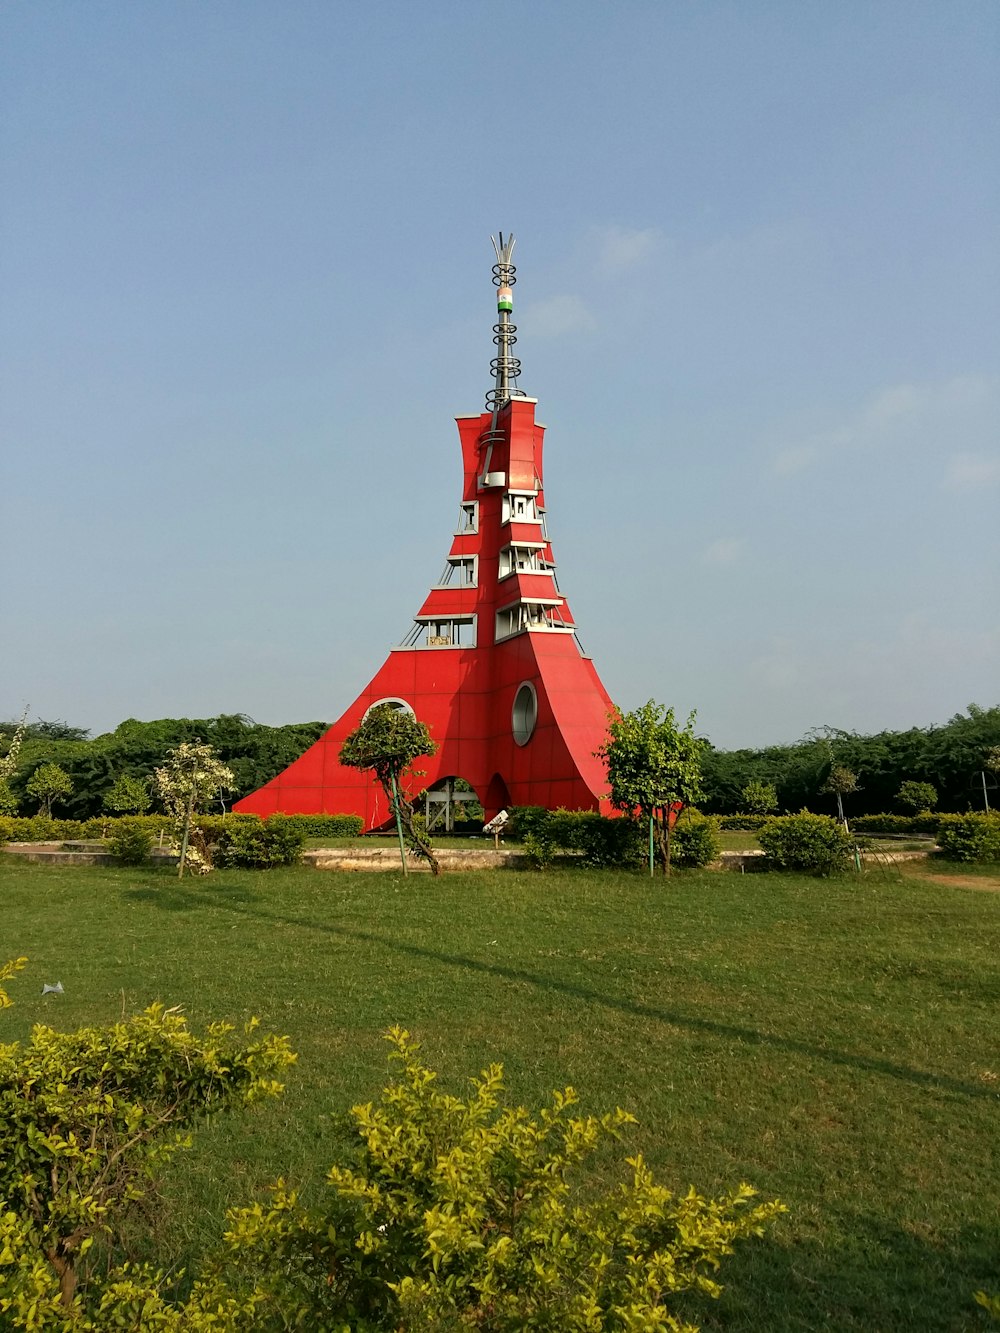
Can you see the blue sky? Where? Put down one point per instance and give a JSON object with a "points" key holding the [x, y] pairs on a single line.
{"points": [[245, 287]]}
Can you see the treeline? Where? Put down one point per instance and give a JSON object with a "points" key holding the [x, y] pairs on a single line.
{"points": [[950, 757], [255, 753]]}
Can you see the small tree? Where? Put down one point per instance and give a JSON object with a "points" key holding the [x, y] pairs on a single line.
{"points": [[653, 766], [841, 782], [49, 783], [759, 798], [191, 777], [129, 796], [8, 766], [917, 796], [387, 741]]}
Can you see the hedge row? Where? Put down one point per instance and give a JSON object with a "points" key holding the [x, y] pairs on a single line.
{"points": [[37, 828], [972, 837], [926, 823], [610, 842]]}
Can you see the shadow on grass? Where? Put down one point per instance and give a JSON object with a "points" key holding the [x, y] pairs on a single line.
{"points": [[876, 1276], [182, 899], [171, 894]]}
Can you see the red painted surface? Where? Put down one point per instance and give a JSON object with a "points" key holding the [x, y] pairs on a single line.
{"points": [[465, 695]]}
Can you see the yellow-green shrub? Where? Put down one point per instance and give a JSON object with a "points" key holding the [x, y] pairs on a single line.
{"points": [[464, 1214]]}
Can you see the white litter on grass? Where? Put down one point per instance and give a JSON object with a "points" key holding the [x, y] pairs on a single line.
{"points": [[57, 989]]}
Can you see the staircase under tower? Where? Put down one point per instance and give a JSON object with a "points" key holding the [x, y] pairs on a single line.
{"points": [[492, 663]]}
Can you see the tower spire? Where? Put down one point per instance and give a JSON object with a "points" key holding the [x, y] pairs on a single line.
{"points": [[505, 366]]}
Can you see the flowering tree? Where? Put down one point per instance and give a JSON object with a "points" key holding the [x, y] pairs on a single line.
{"points": [[8, 767], [191, 777]]}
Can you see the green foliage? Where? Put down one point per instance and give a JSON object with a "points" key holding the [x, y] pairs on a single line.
{"points": [[759, 798], [130, 841], [972, 837], [525, 819], [612, 843], [917, 797], [191, 777], [255, 753], [325, 826], [254, 844], [48, 784], [696, 839], [8, 801], [924, 823], [463, 1214], [87, 1119], [741, 823], [538, 850], [387, 741], [991, 1304], [9, 754], [947, 756], [653, 766], [129, 796], [813, 843]]}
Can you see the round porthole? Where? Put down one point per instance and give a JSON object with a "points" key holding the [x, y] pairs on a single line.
{"points": [[400, 705], [524, 714]]}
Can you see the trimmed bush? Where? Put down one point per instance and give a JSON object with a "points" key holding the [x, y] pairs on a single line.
{"points": [[742, 823], [130, 841], [907, 824], [252, 844], [525, 819], [972, 837], [321, 826], [814, 843], [612, 843], [694, 839]]}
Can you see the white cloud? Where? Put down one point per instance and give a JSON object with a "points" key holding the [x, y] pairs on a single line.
{"points": [[971, 471], [725, 551], [557, 316], [620, 248], [917, 417], [789, 461]]}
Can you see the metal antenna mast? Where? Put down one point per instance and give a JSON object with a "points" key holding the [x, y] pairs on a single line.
{"points": [[505, 367]]}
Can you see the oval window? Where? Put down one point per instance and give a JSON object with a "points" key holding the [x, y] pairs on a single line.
{"points": [[524, 714]]}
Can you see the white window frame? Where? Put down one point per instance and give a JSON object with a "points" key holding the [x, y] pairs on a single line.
{"points": [[455, 562]]}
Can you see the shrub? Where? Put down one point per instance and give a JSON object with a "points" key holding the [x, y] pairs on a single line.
{"points": [[461, 1213], [917, 796], [525, 819], [324, 826], [538, 850], [130, 842], [922, 823], [610, 843], [742, 823], [86, 1120], [695, 839], [249, 843], [971, 837], [815, 843]]}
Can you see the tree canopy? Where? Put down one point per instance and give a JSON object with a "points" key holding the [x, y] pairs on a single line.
{"points": [[654, 766]]}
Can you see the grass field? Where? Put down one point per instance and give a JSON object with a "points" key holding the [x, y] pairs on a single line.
{"points": [[835, 1043]]}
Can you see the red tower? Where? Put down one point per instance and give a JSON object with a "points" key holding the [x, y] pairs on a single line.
{"points": [[492, 664]]}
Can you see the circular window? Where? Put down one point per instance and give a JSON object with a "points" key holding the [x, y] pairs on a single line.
{"points": [[524, 714], [400, 705]]}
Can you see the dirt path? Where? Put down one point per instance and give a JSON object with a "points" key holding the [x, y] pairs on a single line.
{"points": [[984, 883]]}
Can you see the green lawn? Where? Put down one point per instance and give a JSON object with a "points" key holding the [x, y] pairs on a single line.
{"points": [[833, 1043]]}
